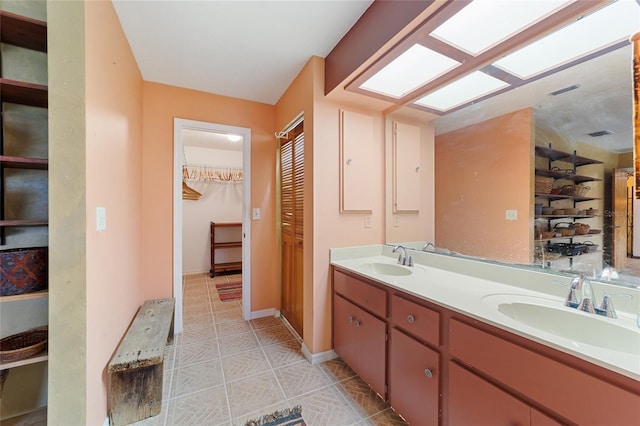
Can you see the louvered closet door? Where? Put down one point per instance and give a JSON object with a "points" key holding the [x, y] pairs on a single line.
{"points": [[292, 208]]}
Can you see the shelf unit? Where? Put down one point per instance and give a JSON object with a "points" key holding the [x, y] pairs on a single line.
{"points": [[217, 244], [571, 175], [30, 34], [27, 33]]}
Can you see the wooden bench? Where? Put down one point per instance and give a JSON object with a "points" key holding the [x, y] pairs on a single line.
{"points": [[135, 370]]}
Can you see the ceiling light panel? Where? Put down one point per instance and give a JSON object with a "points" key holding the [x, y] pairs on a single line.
{"points": [[485, 23], [602, 28], [462, 91], [415, 67]]}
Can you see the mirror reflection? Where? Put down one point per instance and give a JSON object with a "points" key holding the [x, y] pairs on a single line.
{"points": [[541, 175]]}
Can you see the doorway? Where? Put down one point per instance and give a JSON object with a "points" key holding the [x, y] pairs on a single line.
{"points": [[180, 127]]}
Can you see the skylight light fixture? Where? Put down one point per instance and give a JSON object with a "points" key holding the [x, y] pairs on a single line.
{"points": [[470, 87], [483, 24], [234, 138], [602, 28], [415, 67]]}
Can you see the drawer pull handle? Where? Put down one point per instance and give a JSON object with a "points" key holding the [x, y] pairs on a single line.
{"points": [[428, 373], [411, 319], [356, 323], [350, 318]]}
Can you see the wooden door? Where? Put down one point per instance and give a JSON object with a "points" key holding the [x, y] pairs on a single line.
{"points": [[292, 225], [619, 219]]}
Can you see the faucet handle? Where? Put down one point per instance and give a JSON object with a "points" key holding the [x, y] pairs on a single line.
{"points": [[400, 259], [410, 261], [606, 307]]}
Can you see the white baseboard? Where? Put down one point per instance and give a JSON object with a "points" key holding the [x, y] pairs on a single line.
{"points": [[319, 357], [271, 312]]}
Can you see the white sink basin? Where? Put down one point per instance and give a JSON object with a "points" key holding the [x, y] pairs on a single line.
{"points": [[386, 269], [579, 327]]}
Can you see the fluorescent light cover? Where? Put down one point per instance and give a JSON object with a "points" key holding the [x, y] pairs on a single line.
{"points": [[234, 138], [484, 23], [604, 27], [466, 89], [415, 67]]}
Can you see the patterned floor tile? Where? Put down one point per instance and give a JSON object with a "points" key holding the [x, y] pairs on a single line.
{"points": [[194, 353], [244, 364], [197, 377], [326, 406], [228, 328], [387, 418], [258, 414], [192, 336], [227, 315], [254, 393], [208, 407], [361, 397], [282, 354], [337, 369], [273, 335], [265, 322], [301, 378], [237, 343]]}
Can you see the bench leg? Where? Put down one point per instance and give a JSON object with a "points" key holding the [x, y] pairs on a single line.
{"points": [[135, 394]]}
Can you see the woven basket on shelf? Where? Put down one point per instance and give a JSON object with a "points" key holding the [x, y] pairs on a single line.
{"points": [[581, 228], [23, 345], [543, 184]]}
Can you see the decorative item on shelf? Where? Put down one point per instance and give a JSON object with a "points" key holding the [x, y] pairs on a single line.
{"points": [[568, 190], [581, 190], [567, 249], [594, 231], [570, 211], [546, 235], [592, 212], [558, 212], [556, 191], [538, 208], [543, 184], [581, 228], [565, 229], [564, 171], [547, 211], [23, 345], [590, 247], [23, 270]]}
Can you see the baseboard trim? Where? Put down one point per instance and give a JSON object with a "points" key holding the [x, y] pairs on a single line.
{"points": [[271, 312], [319, 357]]}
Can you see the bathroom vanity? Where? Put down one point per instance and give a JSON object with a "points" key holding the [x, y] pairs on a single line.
{"points": [[454, 349]]}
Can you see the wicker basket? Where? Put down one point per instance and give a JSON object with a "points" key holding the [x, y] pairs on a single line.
{"points": [[581, 228], [23, 345], [543, 184], [565, 229]]}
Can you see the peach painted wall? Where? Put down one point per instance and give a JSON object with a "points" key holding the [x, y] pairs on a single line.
{"points": [[113, 181], [162, 104], [325, 226], [481, 171]]}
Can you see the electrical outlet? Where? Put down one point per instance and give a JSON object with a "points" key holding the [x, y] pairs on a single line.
{"points": [[395, 220], [511, 214], [101, 219], [367, 221], [256, 213]]}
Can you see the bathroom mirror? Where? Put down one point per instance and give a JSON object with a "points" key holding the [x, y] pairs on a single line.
{"points": [[485, 193]]}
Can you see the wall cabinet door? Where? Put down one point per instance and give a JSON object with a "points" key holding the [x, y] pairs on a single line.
{"points": [[474, 401], [360, 340], [414, 374]]}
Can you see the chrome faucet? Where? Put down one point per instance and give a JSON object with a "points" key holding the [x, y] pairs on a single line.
{"points": [[427, 246], [606, 307], [403, 259], [581, 295]]}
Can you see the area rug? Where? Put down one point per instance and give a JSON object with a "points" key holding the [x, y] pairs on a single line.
{"points": [[229, 291], [286, 417]]}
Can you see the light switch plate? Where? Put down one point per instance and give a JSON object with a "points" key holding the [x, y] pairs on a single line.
{"points": [[101, 219], [256, 213], [367, 221], [511, 214]]}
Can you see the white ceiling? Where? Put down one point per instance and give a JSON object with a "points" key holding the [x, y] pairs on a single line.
{"points": [[244, 49]]}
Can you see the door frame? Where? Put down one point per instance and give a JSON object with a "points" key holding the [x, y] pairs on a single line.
{"points": [[180, 124]]}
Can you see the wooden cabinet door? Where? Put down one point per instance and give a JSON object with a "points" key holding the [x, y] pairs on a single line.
{"points": [[360, 340], [474, 401], [414, 374]]}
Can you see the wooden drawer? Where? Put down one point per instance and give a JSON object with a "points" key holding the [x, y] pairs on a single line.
{"points": [[573, 394], [369, 297], [416, 320]]}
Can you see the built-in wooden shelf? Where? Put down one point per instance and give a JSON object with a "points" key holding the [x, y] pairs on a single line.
{"points": [[555, 155], [27, 296], [24, 162], [562, 174], [22, 222], [553, 197], [23, 31], [20, 92], [41, 357]]}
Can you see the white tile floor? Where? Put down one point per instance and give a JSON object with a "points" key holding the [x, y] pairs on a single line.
{"points": [[223, 370]]}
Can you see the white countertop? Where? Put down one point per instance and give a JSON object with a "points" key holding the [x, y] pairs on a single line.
{"points": [[479, 298]]}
